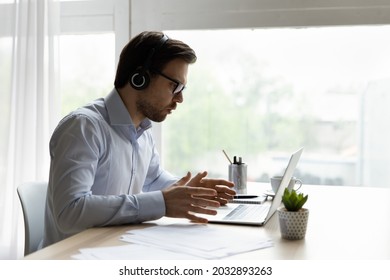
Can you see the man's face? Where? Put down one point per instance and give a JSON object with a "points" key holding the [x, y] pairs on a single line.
{"points": [[158, 100]]}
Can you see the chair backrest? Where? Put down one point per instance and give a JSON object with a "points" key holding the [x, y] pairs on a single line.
{"points": [[33, 199]]}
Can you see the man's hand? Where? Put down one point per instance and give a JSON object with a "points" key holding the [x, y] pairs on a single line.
{"points": [[223, 187], [190, 196]]}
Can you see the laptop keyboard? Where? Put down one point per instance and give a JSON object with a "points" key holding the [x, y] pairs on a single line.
{"points": [[247, 212]]}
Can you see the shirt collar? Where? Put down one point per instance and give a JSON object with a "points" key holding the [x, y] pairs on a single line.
{"points": [[118, 114]]}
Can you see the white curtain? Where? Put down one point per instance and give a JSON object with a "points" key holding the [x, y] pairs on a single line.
{"points": [[29, 90]]}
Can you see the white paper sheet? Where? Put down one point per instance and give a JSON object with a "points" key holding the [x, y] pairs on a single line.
{"points": [[180, 241], [128, 252]]}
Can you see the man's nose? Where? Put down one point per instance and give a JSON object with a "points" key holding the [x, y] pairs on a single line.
{"points": [[178, 97]]}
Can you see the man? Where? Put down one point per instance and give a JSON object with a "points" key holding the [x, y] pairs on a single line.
{"points": [[105, 169]]}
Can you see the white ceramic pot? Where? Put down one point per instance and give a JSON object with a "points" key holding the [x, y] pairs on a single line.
{"points": [[293, 224]]}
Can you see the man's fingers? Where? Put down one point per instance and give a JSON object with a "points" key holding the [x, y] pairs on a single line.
{"points": [[184, 180], [204, 202], [191, 215], [200, 175], [218, 182], [201, 191], [197, 180], [223, 189], [202, 210], [196, 219]]}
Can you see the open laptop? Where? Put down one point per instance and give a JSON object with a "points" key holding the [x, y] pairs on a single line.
{"points": [[256, 214]]}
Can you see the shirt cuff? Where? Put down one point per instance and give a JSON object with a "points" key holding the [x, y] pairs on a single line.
{"points": [[151, 206]]}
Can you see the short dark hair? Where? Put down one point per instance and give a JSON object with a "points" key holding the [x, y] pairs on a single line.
{"points": [[134, 55]]}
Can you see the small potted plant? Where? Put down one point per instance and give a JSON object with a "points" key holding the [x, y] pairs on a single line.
{"points": [[292, 217]]}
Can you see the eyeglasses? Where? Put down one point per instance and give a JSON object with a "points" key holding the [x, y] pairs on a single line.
{"points": [[179, 86]]}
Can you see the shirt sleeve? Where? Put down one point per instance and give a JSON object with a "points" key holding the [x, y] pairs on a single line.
{"points": [[75, 149], [158, 178]]}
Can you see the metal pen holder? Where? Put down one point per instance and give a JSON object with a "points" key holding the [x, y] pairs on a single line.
{"points": [[238, 175]]}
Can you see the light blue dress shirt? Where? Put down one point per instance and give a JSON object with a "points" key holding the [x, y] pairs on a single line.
{"points": [[103, 171]]}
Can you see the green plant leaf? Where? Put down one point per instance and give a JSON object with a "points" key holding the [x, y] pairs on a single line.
{"points": [[293, 201]]}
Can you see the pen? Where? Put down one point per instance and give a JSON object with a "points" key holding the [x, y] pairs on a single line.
{"points": [[244, 196]]}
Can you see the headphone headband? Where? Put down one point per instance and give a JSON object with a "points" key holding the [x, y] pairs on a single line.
{"points": [[155, 49], [140, 78]]}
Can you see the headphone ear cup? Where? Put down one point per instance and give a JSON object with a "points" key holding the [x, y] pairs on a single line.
{"points": [[139, 80]]}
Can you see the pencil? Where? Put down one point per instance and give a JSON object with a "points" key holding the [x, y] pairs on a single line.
{"points": [[227, 156]]}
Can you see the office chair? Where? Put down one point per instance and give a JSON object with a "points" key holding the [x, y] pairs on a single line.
{"points": [[33, 199]]}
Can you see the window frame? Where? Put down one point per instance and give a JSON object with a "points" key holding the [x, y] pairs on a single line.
{"points": [[85, 17], [184, 14], [96, 16]]}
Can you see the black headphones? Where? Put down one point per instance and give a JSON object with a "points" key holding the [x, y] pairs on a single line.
{"points": [[140, 79]]}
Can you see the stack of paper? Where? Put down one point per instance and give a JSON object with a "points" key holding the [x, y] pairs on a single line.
{"points": [[179, 241], [198, 240]]}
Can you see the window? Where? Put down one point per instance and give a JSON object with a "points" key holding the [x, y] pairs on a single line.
{"points": [[87, 68], [92, 35], [263, 93]]}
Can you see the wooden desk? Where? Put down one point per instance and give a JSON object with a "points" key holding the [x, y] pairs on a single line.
{"points": [[344, 223]]}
